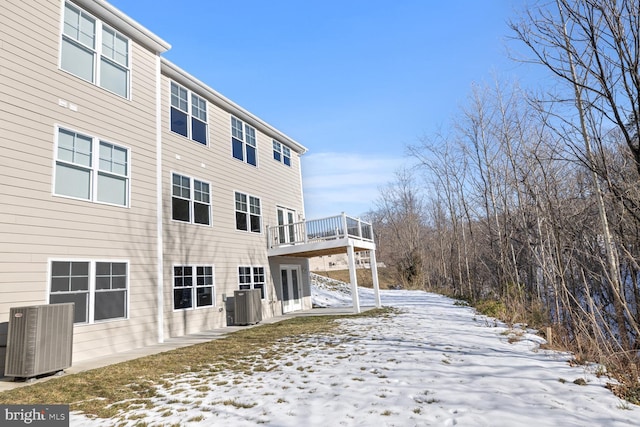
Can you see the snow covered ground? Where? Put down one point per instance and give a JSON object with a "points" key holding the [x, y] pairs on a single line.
{"points": [[434, 364]]}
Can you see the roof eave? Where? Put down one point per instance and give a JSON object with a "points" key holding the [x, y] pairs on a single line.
{"points": [[117, 19], [177, 74]]}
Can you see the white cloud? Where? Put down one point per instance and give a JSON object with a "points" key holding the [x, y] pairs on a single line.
{"points": [[344, 182]]}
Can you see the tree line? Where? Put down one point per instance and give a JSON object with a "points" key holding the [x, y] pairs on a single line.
{"points": [[532, 199]]}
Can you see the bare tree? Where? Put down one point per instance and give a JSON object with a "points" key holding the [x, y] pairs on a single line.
{"points": [[398, 221], [535, 200], [593, 47]]}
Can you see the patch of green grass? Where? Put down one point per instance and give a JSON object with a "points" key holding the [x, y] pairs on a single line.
{"points": [[236, 404], [97, 391], [492, 308], [136, 416]]}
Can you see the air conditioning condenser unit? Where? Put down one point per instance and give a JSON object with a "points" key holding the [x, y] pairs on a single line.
{"points": [[39, 340], [247, 306]]}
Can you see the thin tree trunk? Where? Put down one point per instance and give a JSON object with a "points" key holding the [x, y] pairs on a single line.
{"points": [[612, 261]]}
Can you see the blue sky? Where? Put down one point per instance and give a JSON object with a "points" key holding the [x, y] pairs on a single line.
{"points": [[354, 81]]}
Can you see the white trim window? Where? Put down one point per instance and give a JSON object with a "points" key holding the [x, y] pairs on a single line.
{"points": [[243, 142], [250, 277], [188, 114], [189, 293], [190, 200], [95, 52], [82, 174], [248, 213], [281, 153], [99, 289]]}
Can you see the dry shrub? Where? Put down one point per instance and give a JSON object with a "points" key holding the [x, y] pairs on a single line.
{"points": [[492, 308], [623, 367]]}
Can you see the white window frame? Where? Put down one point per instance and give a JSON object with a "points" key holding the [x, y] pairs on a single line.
{"points": [[248, 212], [192, 112], [92, 287], [281, 153], [194, 286], [94, 168], [247, 137], [192, 199], [97, 51], [254, 272]]}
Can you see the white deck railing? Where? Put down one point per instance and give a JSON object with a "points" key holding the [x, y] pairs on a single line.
{"points": [[319, 230]]}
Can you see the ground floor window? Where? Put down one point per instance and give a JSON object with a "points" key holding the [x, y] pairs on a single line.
{"points": [[99, 289], [250, 277], [193, 286]]}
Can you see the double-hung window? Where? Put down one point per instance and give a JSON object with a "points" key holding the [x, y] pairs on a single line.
{"points": [[94, 52], [98, 289], [248, 213], [188, 114], [190, 200], [251, 278], [91, 169], [243, 142], [281, 153], [111, 290], [193, 286]]}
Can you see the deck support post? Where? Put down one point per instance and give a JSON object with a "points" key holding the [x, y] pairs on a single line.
{"points": [[374, 274], [353, 278]]}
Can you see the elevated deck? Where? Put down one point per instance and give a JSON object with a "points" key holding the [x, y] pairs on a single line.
{"points": [[327, 236]]}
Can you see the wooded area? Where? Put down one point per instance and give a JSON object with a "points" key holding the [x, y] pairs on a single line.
{"points": [[533, 199]]}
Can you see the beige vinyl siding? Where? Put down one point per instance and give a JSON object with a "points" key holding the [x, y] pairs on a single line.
{"points": [[221, 244], [38, 226]]}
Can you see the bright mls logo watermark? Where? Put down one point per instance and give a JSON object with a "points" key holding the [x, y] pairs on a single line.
{"points": [[34, 415]]}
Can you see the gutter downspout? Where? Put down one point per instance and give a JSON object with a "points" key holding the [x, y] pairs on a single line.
{"points": [[159, 216]]}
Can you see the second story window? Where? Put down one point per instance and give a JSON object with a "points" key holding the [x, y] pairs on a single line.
{"points": [[191, 200], [90, 169], [94, 52], [248, 213], [281, 153], [188, 114], [243, 142]]}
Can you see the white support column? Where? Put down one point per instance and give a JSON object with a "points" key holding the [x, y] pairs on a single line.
{"points": [[374, 274], [354, 279]]}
